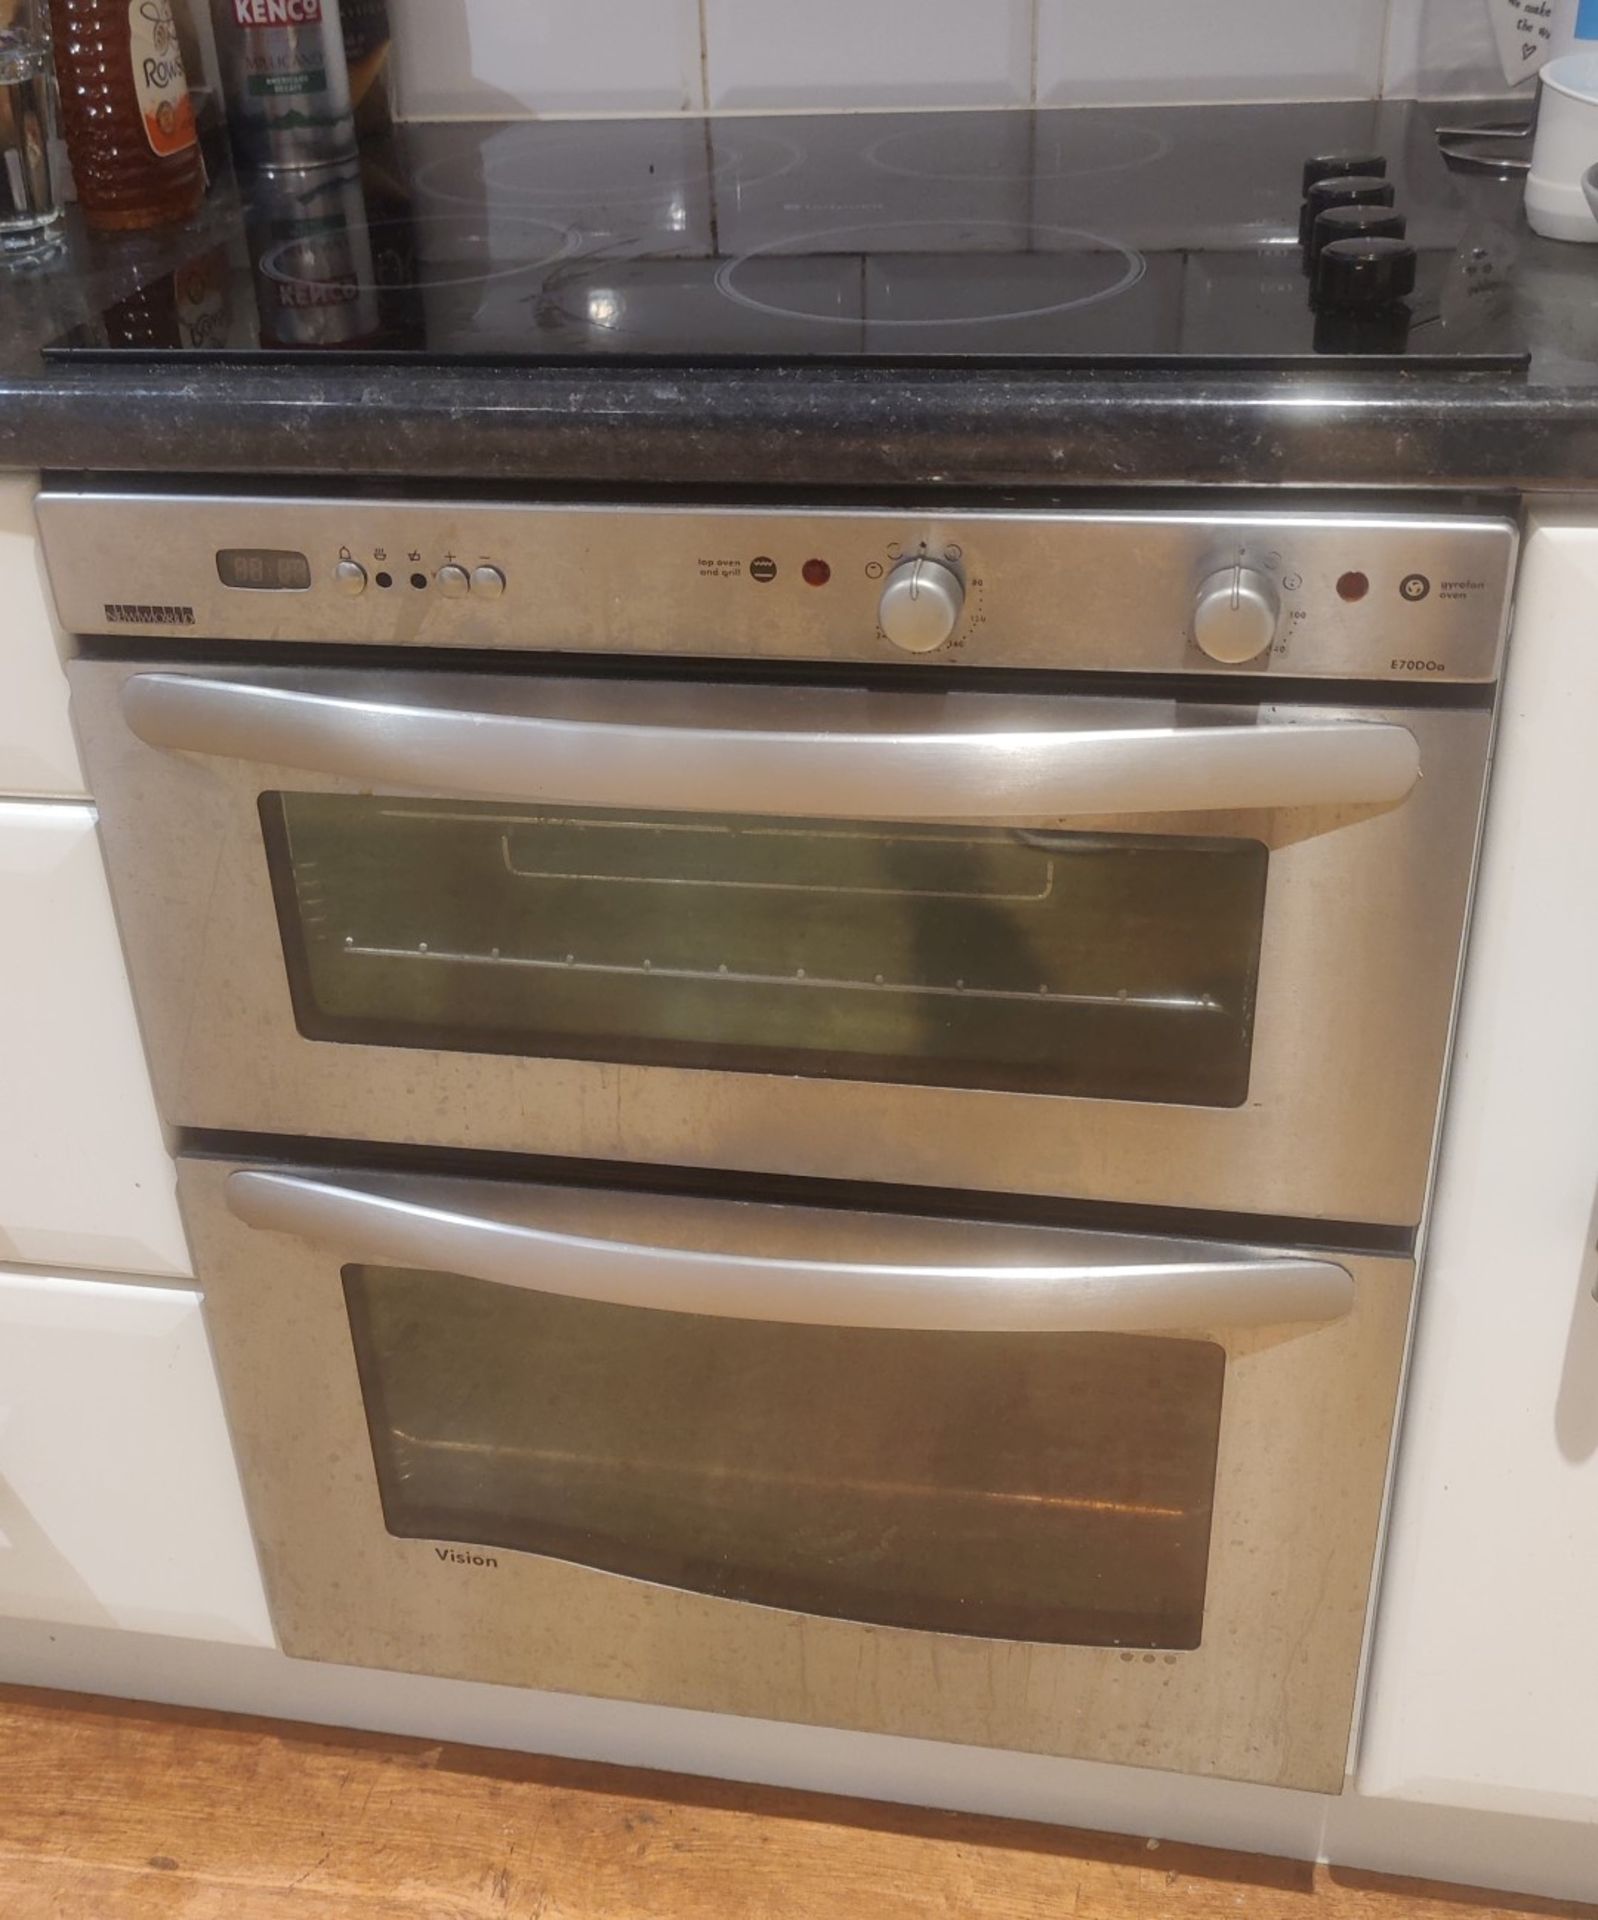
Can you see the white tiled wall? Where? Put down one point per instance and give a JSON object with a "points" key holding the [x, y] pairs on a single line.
{"points": [[1446, 47], [846, 53], [508, 58], [500, 59], [1143, 50]]}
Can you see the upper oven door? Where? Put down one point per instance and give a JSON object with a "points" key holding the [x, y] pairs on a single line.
{"points": [[1142, 949]]}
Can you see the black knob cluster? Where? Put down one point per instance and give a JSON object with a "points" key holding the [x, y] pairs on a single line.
{"points": [[1352, 235]]}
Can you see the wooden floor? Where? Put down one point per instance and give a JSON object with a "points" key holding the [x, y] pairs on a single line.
{"points": [[109, 1810]]}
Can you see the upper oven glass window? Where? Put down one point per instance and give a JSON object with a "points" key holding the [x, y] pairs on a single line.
{"points": [[1021, 1486], [1110, 965]]}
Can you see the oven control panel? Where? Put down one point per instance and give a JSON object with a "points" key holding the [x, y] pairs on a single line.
{"points": [[1346, 595]]}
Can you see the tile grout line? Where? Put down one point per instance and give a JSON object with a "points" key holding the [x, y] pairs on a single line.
{"points": [[704, 56], [1032, 52]]}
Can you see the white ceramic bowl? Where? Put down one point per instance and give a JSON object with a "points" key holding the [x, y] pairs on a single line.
{"points": [[1558, 202]]}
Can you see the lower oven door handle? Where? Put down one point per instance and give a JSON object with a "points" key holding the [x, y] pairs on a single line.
{"points": [[1196, 1287], [995, 776]]}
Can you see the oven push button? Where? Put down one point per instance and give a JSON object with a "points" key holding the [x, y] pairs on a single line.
{"points": [[488, 583]]}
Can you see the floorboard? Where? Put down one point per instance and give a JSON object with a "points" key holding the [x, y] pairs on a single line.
{"points": [[116, 1811]]}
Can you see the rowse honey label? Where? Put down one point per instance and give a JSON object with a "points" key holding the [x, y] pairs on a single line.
{"points": [[159, 81]]}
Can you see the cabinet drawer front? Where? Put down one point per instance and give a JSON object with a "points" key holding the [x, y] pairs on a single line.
{"points": [[85, 1180], [119, 1500], [1485, 1676], [37, 754]]}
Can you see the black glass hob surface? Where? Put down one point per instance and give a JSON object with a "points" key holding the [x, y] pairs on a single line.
{"points": [[1058, 237]]}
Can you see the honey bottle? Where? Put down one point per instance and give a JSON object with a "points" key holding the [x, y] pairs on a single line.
{"points": [[126, 112]]}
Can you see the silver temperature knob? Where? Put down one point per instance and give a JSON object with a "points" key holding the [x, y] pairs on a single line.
{"points": [[1234, 617], [920, 605]]}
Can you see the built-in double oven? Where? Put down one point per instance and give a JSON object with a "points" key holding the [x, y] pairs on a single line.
{"points": [[814, 1113]]}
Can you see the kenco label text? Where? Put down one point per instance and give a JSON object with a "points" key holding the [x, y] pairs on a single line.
{"points": [[277, 13]]}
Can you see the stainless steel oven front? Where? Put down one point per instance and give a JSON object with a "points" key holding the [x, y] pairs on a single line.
{"points": [[873, 946], [690, 863]]}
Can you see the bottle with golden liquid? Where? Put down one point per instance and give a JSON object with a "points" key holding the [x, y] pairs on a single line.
{"points": [[126, 112]]}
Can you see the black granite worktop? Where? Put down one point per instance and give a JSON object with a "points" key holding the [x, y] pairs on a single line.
{"points": [[794, 425]]}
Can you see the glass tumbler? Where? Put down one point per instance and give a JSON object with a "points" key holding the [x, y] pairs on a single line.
{"points": [[30, 207]]}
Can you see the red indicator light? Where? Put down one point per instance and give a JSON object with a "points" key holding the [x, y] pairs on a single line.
{"points": [[1352, 586], [816, 573]]}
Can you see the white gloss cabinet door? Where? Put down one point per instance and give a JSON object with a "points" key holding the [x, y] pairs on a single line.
{"points": [[37, 753], [1484, 1687], [119, 1499], [85, 1179]]}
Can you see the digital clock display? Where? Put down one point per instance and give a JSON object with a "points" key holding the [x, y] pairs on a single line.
{"points": [[263, 569]]}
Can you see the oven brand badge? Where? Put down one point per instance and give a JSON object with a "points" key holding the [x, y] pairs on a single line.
{"points": [[140, 613], [452, 1556]]}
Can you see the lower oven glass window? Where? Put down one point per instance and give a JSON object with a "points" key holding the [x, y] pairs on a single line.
{"points": [[1118, 966], [1042, 1487]]}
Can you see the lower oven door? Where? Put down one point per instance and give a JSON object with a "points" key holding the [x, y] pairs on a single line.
{"points": [[1028, 1487], [1141, 949]]}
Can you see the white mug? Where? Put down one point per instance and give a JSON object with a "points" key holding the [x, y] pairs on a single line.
{"points": [[1565, 148]]}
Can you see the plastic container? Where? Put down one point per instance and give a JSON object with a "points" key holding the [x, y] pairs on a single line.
{"points": [[1566, 146]]}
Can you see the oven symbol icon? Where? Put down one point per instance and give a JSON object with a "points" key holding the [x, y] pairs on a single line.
{"points": [[1414, 586]]}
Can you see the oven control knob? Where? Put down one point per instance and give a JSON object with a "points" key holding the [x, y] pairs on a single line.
{"points": [[920, 605], [349, 576], [453, 582], [1234, 617]]}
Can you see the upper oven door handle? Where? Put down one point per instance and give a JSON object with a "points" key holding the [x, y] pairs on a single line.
{"points": [[1004, 777], [1155, 1287]]}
